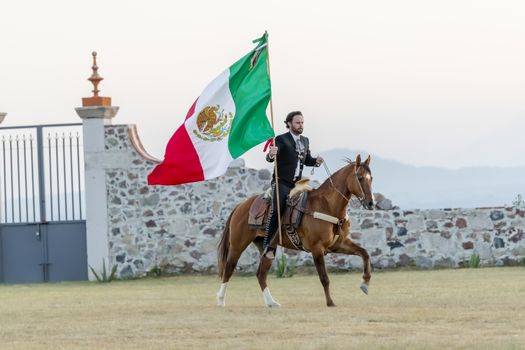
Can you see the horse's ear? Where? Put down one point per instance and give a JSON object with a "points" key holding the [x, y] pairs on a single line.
{"points": [[367, 161], [358, 161]]}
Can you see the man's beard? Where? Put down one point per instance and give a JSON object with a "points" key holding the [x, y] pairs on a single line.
{"points": [[297, 131]]}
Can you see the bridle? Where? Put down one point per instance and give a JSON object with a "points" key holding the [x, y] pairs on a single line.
{"points": [[361, 199]]}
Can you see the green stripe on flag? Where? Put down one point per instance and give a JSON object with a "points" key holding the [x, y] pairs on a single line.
{"points": [[251, 90]]}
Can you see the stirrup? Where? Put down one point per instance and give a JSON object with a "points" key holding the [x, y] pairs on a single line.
{"points": [[269, 252]]}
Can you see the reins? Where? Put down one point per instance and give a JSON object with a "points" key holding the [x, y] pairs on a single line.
{"points": [[325, 217], [332, 183]]}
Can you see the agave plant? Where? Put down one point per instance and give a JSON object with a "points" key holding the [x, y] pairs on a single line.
{"points": [[104, 277], [285, 267], [474, 261]]}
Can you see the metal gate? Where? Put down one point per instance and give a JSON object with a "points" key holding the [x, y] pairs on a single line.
{"points": [[42, 218]]}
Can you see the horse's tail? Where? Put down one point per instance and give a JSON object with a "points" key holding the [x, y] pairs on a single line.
{"points": [[224, 245]]}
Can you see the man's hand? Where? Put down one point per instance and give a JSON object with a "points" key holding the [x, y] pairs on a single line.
{"points": [[273, 151], [319, 160]]}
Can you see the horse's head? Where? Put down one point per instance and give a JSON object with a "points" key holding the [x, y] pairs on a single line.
{"points": [[352, 181], [364, 176]]}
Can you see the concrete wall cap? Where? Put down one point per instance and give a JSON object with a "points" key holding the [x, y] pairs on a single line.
{"points": [[97, 112]]}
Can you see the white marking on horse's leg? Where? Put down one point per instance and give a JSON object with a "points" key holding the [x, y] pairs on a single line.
{"points": [[221, 294], [268, 300], [364, 287]]}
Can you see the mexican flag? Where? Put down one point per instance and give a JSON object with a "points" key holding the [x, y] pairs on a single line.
{"points": [[226, 120]]}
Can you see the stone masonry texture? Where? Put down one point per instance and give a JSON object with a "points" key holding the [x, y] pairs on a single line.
{"points": [[177, 228]]}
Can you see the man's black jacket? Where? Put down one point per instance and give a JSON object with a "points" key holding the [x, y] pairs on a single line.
{"points": [[287, 157]]}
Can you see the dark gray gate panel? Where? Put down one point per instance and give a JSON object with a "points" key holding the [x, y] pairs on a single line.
{"points": [[21, 254], [42, 190], [66, 251]]}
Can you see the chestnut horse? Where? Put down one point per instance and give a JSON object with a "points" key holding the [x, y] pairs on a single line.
{"points": [[318, 236]]}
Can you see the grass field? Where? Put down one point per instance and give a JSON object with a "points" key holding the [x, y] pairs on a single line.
{"points": [[465, 309]]}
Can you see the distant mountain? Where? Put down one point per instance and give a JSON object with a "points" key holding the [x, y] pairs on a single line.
{"points": [[411, 187]]}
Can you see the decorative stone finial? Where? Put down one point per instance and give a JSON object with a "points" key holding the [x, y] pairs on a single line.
{"points": [[2, 116], [95, 79]]}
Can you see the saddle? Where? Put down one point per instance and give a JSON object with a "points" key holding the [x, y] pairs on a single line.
{"points": [[292, 214]]}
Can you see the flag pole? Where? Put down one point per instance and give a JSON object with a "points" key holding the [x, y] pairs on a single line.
{"points": [[273, 143]]}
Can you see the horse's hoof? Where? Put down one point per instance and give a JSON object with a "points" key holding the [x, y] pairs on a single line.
{"points": [[268, 300], [330, 304], [220, 302], [273, 304], [364, 288]]}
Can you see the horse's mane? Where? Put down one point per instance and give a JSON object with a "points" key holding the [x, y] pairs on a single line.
{"points": [[326, 182], [349, 162]]}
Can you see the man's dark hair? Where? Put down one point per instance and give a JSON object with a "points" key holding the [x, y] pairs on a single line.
{"points": [[290, 116]]}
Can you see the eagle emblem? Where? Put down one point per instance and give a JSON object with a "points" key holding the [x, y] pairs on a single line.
{"points": [[213, 123]]}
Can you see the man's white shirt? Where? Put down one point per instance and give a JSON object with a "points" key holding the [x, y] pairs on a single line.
{"points": [[298, 146]]}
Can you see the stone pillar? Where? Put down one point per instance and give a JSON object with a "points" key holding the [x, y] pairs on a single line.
{"points": [[96, 112]]}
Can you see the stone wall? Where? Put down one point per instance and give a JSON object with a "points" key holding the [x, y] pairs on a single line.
{"points": [[177, 228]]}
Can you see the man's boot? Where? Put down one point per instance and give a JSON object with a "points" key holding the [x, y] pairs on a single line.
{"points": [[270, 238]]}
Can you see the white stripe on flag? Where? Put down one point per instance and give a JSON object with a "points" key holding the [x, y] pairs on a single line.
{"points": [[214, 155]]}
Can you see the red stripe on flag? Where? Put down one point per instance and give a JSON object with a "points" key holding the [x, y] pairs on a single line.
{"points": [[192, 109], [181, 162]]}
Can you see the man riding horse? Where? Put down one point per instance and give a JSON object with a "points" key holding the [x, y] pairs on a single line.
{"points": [[292, 152], [324, 227]]}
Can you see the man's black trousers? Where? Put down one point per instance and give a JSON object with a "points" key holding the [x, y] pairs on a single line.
{"points": [[272, 223]]}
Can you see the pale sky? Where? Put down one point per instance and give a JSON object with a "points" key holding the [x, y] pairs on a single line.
{"points": [[423, 82]]}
